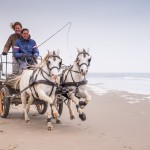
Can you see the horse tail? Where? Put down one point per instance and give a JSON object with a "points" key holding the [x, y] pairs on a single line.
{"points": [[13, 82], [17, 81]]}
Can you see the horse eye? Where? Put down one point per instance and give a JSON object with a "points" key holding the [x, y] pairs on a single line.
{"points": [[77, 59], [60, 64], [89, 60], [49, 62]]}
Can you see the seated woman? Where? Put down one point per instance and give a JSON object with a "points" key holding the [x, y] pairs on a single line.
{"points": [[25, 50], [17, 27]]}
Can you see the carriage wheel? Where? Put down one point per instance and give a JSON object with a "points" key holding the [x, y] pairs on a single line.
{"points": [[41, 107], [4, 102]]}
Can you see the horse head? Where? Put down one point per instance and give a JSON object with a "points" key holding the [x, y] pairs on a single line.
{"points": [[53, 63], [83, 61]]}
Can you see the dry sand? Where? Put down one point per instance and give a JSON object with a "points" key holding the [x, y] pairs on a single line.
{"points": [[112, 124]]}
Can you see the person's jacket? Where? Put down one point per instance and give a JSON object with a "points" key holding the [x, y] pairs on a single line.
{"points": [[11, 42], [27, 47]]}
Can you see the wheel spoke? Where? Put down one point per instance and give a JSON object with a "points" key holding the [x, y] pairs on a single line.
{"points": [[5, 101]]}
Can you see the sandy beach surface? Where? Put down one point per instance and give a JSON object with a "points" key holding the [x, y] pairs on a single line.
{"points": [[115, 121]]}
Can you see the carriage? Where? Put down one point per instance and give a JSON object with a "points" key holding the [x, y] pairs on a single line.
{"points": [[10, 96], [71, 86]]}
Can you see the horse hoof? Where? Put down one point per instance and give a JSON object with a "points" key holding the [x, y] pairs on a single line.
{"points": [[58, 121], [82, 106], [82, 103], [72, 117], [56, 115], [82, 116], [27, 121], [50, 128]]}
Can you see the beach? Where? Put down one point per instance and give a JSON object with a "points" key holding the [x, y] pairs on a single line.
{"points": [[113, 123]]}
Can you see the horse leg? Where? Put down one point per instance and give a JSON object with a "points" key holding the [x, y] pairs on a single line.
{"points": [[55, 104], [42, 95], [29, 103], [55, 101], [69, 104], [23, 99], [82, 115], [88, 96], [49, 116]]}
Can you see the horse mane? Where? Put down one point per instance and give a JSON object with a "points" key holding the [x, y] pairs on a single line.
{"points": [[46, 57], [43, 60]]}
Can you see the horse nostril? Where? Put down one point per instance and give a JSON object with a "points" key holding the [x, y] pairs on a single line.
{"points": [[81, 70]]}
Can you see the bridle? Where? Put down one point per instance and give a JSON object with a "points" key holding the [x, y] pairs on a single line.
{"points": [[54, 56], [84, 55]]}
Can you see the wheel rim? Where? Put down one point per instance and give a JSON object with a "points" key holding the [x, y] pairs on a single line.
{"points": [[1, 102], [40, 107], [3, 105]]}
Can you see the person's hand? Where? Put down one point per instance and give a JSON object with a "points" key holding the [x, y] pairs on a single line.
{"points": [[4, 53], [25, 55], [35, 56]]}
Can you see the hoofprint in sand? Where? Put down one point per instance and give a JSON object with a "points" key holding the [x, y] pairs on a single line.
{"points": [[115, 121]]}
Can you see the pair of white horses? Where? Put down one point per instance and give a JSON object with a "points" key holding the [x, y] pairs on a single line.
{"points": [[46, 79]]}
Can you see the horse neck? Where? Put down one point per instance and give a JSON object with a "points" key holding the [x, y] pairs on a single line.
{"points": [[44, 69], [76, 76]]}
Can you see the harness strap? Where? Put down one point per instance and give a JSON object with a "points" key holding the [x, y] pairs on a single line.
{"points": [[66, 75], [35, 92], [46, 82], [83, 82], [43, 75], [37, 82], [76, 84], [51, 91], [31, 82], [32, 93]]}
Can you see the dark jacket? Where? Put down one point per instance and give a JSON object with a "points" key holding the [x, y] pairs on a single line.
{"points": [[11, 42], [27, 47]]}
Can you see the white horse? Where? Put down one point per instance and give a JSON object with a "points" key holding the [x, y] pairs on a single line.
{"points": [[73, 79], [42, 84]]}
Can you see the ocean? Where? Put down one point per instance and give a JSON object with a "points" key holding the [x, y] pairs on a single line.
{"points": [[137, 83]]}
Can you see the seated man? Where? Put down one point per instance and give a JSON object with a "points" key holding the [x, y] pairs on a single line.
{"points": [[25, 50]]}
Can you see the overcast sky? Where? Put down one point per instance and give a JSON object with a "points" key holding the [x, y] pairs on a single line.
{"points": [[116, 31]]}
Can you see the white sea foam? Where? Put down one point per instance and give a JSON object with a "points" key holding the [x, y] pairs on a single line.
{"points": [[135, 78], [133, 102], [97, 90], [132, 83]]}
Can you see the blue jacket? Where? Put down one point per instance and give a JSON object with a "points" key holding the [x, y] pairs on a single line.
{"points": [[27, 47]]}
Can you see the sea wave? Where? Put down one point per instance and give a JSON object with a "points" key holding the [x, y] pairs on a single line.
{"points": [[136, 78], [97, 90]]}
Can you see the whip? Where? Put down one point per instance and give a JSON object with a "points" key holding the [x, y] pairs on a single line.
{"points": [[69, 23]]}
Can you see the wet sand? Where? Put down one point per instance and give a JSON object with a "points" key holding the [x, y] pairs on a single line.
{"points": [[113, 123]]}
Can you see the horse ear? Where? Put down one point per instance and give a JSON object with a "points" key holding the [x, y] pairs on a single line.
{"points": [[49, 52], [78, 50], [58, 52], [88, 50]]}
